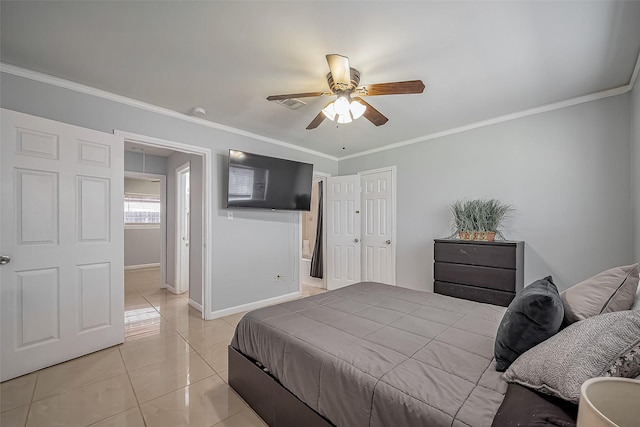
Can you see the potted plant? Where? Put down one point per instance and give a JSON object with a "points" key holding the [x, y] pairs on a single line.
{"points": [[479, 219]]}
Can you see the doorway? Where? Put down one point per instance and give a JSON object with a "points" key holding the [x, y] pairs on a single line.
{"points": [[197, 229], [313, 237], [144, 230]]}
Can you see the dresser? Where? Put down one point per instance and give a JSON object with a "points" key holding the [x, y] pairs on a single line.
{"points": [[490, 272]]}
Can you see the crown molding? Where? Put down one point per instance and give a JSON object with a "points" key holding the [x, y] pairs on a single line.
{"points": [[88, 90], [67, 84], [496, 120], [513, 116]]}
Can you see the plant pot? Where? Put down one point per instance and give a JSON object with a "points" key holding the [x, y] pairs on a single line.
{"points": [[483, 236]]}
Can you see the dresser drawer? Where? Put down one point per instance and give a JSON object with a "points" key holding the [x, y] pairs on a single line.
{"points": [[502, 256], [490, 296], [484, 277]]}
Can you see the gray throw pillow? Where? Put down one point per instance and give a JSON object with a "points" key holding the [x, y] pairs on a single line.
{"points": [[534, 315], [584, 350], [611, 290]]}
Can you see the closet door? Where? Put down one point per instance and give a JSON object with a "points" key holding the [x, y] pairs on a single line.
{"points": [[343, 231], [378, 222]]}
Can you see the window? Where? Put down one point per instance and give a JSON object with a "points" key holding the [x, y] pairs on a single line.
{"points": [[141, 208]]}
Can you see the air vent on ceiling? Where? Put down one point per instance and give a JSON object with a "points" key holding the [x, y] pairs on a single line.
{"points": [[291, 103]]}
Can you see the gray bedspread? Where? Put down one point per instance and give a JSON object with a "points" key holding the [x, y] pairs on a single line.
{"points": [[376, 355]]}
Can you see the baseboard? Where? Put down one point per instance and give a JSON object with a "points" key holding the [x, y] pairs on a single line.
{"points": [[139, 266], [252, 305], [195, 305], [171, 289]]}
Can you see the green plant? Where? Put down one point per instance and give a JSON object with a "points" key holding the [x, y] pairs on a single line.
{"points": [[479, 215]]}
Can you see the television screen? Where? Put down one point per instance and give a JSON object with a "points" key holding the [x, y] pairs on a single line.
{"points": [[257, 181]]}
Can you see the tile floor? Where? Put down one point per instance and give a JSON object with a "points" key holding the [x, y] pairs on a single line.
{"points": [[170, 371]]}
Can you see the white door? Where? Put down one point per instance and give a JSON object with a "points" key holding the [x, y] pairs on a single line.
{"points": [[343, 231], [378, 245], [183, 218], [61, 223]]}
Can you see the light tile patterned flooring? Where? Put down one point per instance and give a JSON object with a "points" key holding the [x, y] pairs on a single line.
{"points": [[170, 371]]}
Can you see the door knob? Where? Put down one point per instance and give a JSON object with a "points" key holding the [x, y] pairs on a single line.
{"points": [[356, 240], [4, 260], [388, 242]]}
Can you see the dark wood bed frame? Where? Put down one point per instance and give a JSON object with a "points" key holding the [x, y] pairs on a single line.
{"points": [[276, 405]]}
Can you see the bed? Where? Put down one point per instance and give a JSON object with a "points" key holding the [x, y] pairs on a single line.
{"points": [[370, 355], [376, 355]]}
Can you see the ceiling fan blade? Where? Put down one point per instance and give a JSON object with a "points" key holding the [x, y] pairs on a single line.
{"points": [[371, 114], [317, 120], [340, 69], [296, 95], [395, 88]]}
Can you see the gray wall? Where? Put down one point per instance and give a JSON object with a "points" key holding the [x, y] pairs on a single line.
{"points": [[567, 172], [635, 146], [141, 186], [134, 162], [141, 245], [249, 251]]}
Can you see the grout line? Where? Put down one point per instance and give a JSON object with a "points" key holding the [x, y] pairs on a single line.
{"points": [[132, 388], [179, 388], [144, 420], [209, 364], [91, 381], [76, 388], [33, 393], [113, 415], [26, 420], [118, 348]]}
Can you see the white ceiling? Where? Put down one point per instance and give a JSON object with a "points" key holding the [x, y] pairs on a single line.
{"points": [[479, 60]]}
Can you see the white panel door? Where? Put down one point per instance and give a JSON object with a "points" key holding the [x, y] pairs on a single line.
{"points": [[61, 223], [343, 231], [183, 221], [378, 245]]}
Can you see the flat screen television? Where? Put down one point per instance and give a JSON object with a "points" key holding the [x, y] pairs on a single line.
{"points": [[256, 181]]}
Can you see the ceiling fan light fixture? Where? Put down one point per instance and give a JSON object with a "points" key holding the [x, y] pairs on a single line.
{"points": [[357, 109], [343, 81], [341, 105], [344, 118], [329, 112]]}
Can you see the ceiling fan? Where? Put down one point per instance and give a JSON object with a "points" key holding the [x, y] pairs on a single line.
{"points": [[343, 82]]}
